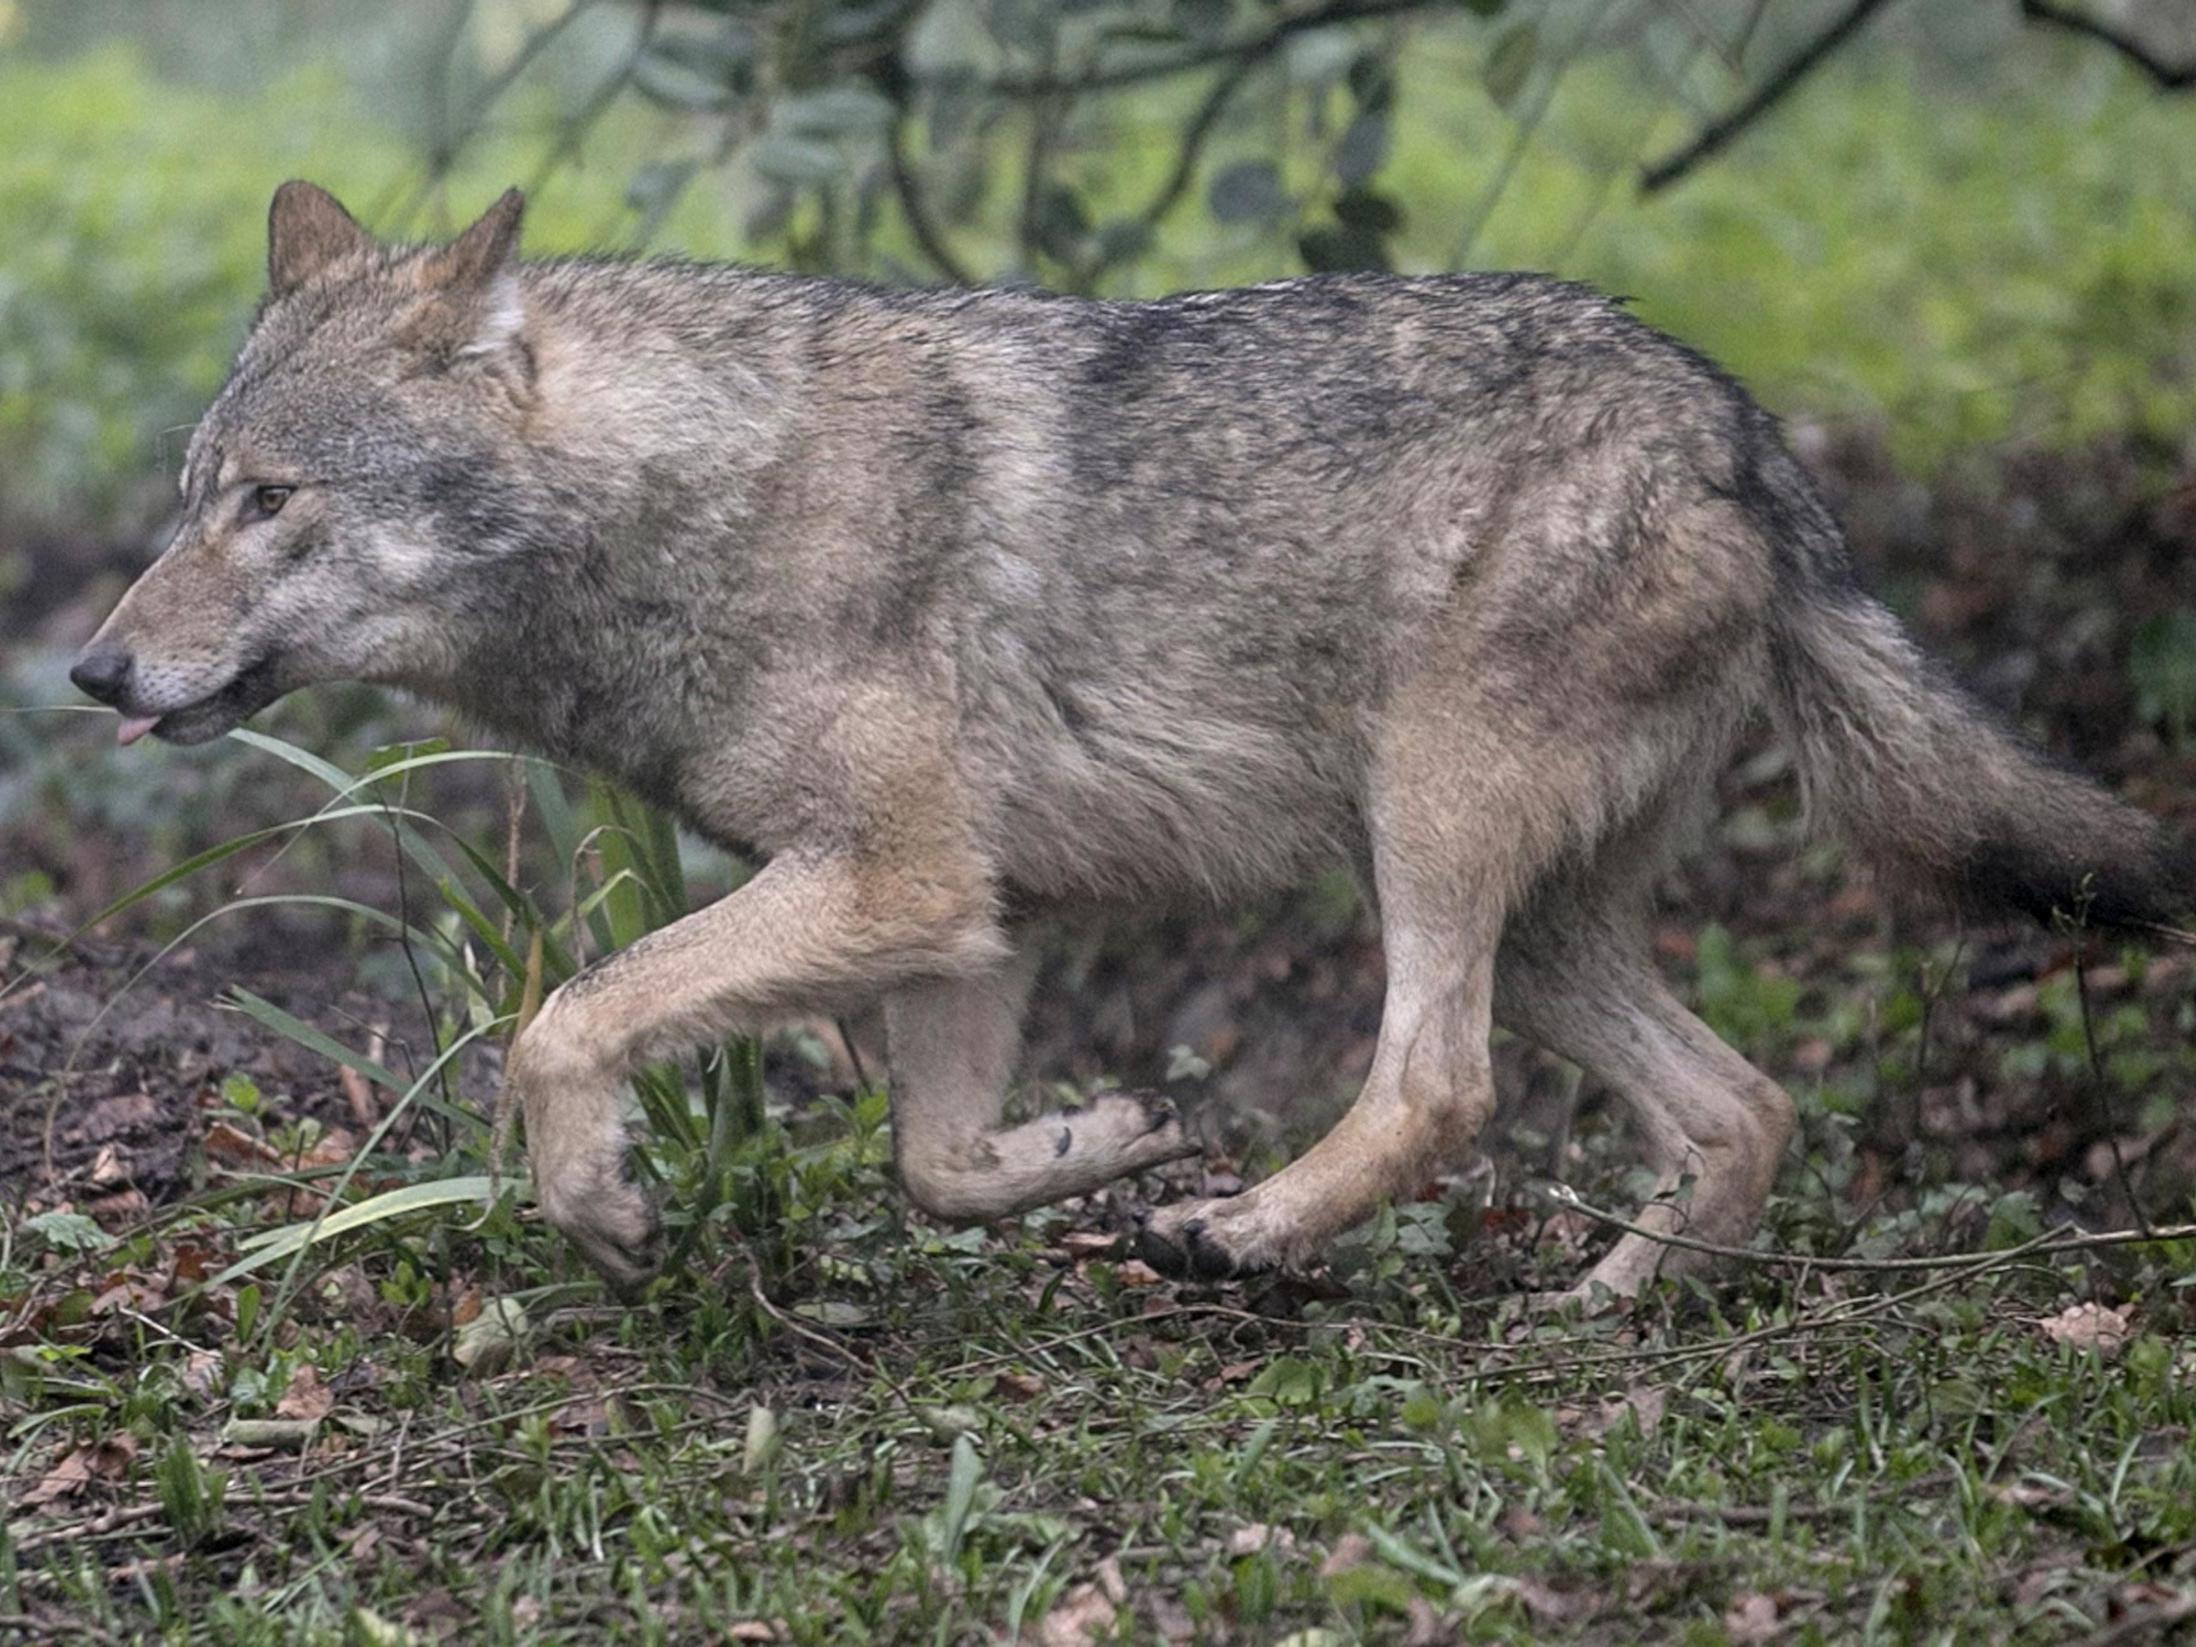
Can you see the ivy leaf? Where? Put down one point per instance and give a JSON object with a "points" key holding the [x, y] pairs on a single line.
{"points": [[1247, 192], [1340, 247], [1362, 150], [798, 162], [853, 109], [1060, 221], [1374, 213], [1510, 63]]}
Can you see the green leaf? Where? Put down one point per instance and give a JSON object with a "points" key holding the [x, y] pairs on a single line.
{"points": [[1247, 192], [1289, 1380], [1364, 147], [1510, 64], [305, 1035], [797, 162], [1374, 213], [655, 186], [1318, 57], [698, 72], [960, 1497], [1340, 247], [68, 1232], [1061, 223], [851, 109], [2161, 665], [1205, 21], [271, 1246]]}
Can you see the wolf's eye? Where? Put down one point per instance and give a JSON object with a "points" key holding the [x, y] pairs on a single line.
{"points": [[268, 500]]}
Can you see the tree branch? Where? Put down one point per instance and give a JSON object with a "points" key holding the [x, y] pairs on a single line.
{"points": [[2169, 76], [916, 211], [1228, 51], [1195, 135], [1774, 90]]}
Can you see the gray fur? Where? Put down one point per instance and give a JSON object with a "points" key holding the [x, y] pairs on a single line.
{"points": [[960, 606]]}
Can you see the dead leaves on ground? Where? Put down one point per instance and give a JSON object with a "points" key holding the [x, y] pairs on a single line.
{"points": [[2097, 1327], [108, 1460]]}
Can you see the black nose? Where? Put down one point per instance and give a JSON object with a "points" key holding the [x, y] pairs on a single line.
{"points": [[101, 673]]}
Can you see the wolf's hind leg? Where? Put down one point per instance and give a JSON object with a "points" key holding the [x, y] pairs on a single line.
{"points": [[954, 1043], [1462, 811], [1587, 992]]}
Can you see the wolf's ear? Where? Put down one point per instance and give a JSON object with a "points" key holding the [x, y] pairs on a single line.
{"points": [[308, 230], [479, 310]]}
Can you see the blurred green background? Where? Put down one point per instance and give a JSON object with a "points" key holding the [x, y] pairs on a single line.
{"points": [[1961, 230]]}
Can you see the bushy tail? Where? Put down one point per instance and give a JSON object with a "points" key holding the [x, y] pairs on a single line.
{"points": [[1905, 766]]}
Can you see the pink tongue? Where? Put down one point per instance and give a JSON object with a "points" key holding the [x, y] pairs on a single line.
{"points": [[134, 727]]}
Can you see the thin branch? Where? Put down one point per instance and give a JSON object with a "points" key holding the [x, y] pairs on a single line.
{"points": [[1136, 74], [2169, 76], [2050, 1243], [916, 211], [1522, 135], [1046, 113], [1719, 133], [1198, 132]]}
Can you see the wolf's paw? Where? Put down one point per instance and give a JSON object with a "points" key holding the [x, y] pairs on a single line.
{"points": [[1208, 1240], [1143, 1129], [613, 1222]]}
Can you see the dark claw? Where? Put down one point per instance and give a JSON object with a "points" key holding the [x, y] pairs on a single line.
{"points": [[1208, 1259], [1153, 1248], [1200, 1257]]}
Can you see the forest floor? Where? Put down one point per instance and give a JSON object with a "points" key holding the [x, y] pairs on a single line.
{"points": [[1951, 1400]]}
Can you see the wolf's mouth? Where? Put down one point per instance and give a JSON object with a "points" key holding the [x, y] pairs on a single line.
{"points": [[250, 690]]}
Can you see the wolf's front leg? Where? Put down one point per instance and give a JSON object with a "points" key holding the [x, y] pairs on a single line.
{"points": [[954, 1043], [816, 934]]}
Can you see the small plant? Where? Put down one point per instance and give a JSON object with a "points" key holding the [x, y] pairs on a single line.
{"points": [[2161, 664], [484, 953]]}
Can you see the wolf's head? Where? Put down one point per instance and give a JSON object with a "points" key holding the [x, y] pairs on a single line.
{"points": [[342, 493]]}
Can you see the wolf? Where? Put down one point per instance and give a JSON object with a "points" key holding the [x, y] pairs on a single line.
{"points": [[959, 609]]}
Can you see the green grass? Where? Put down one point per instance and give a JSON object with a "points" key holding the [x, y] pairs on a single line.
{"points": [[354, 1395], [923, 1437]]}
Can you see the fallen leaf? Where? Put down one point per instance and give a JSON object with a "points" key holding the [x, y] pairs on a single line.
{"points": [[2091, 1327], [1078, 1619], [1427, 1628], [125, 1112], [2154, 1603], [1520, 1523], [307, 1398], [1134, 1272], [1350, 1550], [1752, 1617], [105, 1460], [1111, 1581], [492, 1339], [1170, 1620], [1259, 1536], [1020, 1386], [1548, 1605]]}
